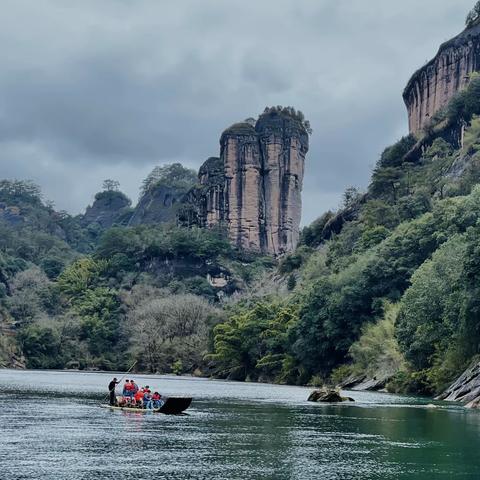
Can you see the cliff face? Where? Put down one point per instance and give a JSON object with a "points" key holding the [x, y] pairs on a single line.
{"points": [[284, 145], [243, 192], [433, 85], [158, 205], [254, 188], [212, 188]]}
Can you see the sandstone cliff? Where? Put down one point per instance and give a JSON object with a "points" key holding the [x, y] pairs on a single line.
{"points": [[432, 86], [243, 188], [254, 187], [284, 145]]}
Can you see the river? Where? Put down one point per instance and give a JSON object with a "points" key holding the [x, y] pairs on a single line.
{"points": [[52, 428]]}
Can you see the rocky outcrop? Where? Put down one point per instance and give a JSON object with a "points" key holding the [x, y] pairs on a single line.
{"points": [[107, 209], [159, 204], [366, 383], [433, 85], [328, 395], [211, 177], [466, 388], [254, 187], [10, 214]]}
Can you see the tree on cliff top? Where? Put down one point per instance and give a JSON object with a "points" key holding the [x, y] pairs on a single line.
{"points": [[110, 185], [174, 175], [473, 16], [111, 191], [291, 112]]}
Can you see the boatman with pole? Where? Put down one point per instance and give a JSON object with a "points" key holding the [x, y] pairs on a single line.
{"points": [[111, 389]]}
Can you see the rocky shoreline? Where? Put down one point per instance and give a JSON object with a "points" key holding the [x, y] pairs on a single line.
{"points": [[466, 389]]}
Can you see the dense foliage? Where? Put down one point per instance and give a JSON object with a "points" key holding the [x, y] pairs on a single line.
{"points": [[76, 295], [102, 314], [174, 175], [253, 342], [473, 16]]}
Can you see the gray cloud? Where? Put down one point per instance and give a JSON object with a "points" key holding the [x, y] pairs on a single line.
{"points": [[90, 90]]}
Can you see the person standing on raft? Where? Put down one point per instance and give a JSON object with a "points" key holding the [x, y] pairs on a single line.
{"points": [[111, 389]]}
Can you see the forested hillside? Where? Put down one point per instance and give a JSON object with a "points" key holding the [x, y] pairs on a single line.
{"points": [[92, 292], [385, 290]]}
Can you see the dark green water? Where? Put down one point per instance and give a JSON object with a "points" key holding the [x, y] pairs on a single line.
{"points": [[52, 428]]}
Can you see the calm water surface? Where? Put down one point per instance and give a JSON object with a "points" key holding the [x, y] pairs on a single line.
{"points": [[52, 428]]}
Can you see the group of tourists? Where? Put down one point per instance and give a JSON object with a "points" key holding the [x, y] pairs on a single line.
{"points": [[134, 397]]}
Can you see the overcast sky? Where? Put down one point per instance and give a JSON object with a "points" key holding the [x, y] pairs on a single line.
{"points": [[97, 89]]}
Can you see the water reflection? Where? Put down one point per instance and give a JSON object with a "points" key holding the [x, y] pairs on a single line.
{"points": [[52, 428]]}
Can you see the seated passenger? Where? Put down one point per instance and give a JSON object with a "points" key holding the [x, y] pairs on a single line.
{"points": [[131, 389], [139, 398], [147, 399], [133, 386], [157, 400]]}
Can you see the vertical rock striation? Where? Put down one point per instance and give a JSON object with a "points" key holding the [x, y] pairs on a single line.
{"points": [[254, 188], [212, 181], [433, 85], [283, 145], [240, 153]]}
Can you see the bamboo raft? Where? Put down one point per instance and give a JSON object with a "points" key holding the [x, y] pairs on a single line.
{"points": [[172, 406]]}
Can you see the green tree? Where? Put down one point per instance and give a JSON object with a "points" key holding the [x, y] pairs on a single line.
{"points": [[80, 276], [15, 191], [473, 16], [291, 282], [376, 353], [98, 310], [431, 307], [387, 182], [42, 346], [174, 175], [351, 196], [110, 185], [253, 341], [393, 156], [314, 234]]}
